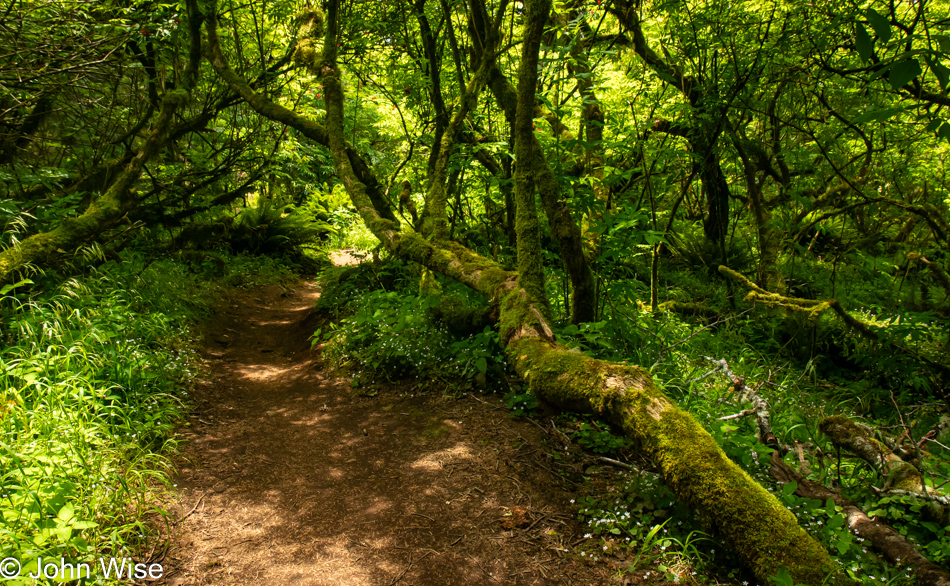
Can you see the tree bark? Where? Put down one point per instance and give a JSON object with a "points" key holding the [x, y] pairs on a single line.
{"points": [[769, 277], [527, 228], [435, 78], [896, 472]]}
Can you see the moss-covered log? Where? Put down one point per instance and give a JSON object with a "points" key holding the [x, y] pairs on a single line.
{"points": [[853, 438], [744, 515], [815, 307], [688, 308]]}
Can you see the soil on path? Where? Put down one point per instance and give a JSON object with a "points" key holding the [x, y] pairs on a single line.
{"points": [[290, 476]]}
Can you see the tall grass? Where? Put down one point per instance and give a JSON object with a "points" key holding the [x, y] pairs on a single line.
{"points": [[93, 377]]}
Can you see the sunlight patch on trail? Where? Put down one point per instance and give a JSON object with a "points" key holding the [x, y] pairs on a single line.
{"points": [[436, 460]]}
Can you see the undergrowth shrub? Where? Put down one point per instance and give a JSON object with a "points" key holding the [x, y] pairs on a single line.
{"points": [[392, 335], [263, 228], [389, 331], [269, 229], [93, 374]]}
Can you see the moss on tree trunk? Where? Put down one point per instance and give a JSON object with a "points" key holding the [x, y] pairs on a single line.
{"points": [[849, 436], [527, 227], [561, 224]]}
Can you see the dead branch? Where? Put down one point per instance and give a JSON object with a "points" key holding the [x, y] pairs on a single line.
{"points": [[815, 307], [760, 407], [891, 544]]}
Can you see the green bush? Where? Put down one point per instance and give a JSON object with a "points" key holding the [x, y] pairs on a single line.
{"points": [[268, 229], [392, 334]]}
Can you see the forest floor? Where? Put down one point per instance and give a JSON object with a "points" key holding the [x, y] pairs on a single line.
{"points": [[288, 475]]}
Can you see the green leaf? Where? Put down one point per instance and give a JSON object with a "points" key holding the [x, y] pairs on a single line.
{"points": [[790, 488], [942, 73], [66, 513], [836, 521], [64, 532], [877, 115], [880, 24], [903, 72], [934, 124], [944, 131], [783, 578], [84, 524], [863, 42], [843, 546], [7, 288], [944, 42], [481, 364], [615, 531]]}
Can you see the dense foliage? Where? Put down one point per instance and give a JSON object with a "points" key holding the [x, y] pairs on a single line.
{"points": [[761, 182]]}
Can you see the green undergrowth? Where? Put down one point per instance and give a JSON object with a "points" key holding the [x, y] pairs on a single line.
{"points": [[807, 369], [386, 329], [94, 373]]}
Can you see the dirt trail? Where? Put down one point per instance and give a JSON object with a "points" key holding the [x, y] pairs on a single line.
{"points": [[290, 477]]}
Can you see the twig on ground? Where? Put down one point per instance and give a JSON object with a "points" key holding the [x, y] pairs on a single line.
{"points": [[616, 462], [194, 508], [409, 567]]}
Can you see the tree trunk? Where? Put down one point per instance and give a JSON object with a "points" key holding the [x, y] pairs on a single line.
{"points": [[716, 188], [434, 71], [527, 228], [769, 277], [592, 124], [562, 226]]}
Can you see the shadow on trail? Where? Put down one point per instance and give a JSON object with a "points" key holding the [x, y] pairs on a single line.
{"points": [[291, 477]]}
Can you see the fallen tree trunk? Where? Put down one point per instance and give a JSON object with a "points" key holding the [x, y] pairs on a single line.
{"points": [[746, 517], [750, 521], [897, 473], [891, 544], [815, 307]]}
